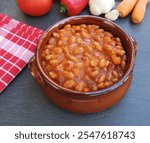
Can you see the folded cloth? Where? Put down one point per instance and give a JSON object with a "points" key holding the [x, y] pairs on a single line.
{"points": [[17, 45]]}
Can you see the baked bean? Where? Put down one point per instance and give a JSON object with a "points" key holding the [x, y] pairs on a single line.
{"points": [[105, 69], [83, 30], [107, 63], [86, 89], [78, 65], [73, 31], [83, 25], [115, 74], [60, 43], [77, 34], [57, 50], [102, 78], [107, 39], [52, 41], [123, 65], [87, 63], [119, 44], [97, 38], [48, 46], [56, 35], [106, 84], [66, 50], [118, 39], [72, 39], [101, 35], [88, 48], [108, 47], [101, 85], [94, 73], [120, 52], [46, 52], [76, 71], [86, 77], [109, 76], [69, 65], [84, 58], [54, 62], [53, 75], [102, 63], [95, 88], [48, 57], [108, 34], [80, 86], [112, 43], [77, 28], [62, 30], [64, 39], [69, 84], [60, 67], [72, 58], [84, 34], [78, 40], [68, 75], [67, 26], [94, 62], [99, 31], [116, 60], [97, 46], [114, 80], [78, 50], [119, 47], [87, 55]]}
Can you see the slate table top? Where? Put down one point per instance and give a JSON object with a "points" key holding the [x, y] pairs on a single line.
{"points": [[23, 102]]}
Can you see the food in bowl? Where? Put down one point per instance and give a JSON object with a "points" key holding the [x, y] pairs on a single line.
{"points": [[85, 102], [84, 58]]}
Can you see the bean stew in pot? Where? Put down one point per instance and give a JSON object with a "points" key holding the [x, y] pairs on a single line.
{"points": [[84, 58]]}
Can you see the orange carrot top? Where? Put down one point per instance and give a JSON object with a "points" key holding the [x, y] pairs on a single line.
{"points": [[126, 6], [139, 11]]}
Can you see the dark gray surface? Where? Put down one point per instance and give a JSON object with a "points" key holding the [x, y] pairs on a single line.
{"points": [[23, 103]]}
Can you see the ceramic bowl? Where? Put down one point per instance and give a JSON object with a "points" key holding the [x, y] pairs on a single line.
{"points": [[89, 102]]}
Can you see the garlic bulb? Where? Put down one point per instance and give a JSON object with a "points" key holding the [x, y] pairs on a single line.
{"points": [[112, 15], [98, 7]]}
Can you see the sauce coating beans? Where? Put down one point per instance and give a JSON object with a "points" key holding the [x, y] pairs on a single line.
{"points": [[84, 58]]}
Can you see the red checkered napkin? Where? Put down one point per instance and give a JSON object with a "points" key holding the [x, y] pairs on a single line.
{"points": [[17, 45]]}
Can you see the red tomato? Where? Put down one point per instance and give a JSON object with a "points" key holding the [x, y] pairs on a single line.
{"points": [[35, 7]]}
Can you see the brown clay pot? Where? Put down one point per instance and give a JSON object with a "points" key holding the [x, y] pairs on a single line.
{"points": [[78, 101]]}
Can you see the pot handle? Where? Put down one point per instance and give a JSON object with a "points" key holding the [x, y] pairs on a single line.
{"points": [[135, 44], [34, 71]]}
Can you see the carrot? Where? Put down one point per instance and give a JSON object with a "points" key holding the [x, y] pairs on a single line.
{"points": [[139, 11], [125, 7]]}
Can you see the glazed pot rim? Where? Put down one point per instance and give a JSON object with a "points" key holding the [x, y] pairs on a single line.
{"points": [[77, 93]]}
